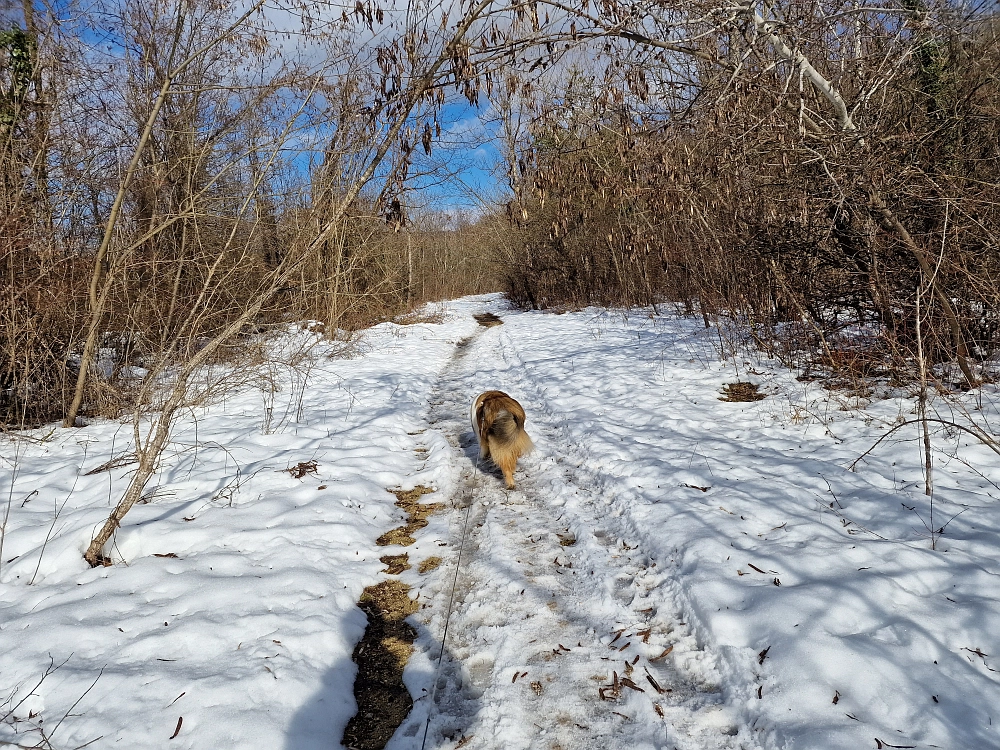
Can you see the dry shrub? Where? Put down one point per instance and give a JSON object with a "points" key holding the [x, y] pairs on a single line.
{"points": [[726, 193], [40, 300], [138, 222], [488, 320]]}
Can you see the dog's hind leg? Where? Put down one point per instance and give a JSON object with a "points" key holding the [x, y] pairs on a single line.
{"points": [[506, 460]]}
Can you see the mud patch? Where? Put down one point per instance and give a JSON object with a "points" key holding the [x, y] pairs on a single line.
{"points": [[383, 701], [416, 516], [488, 320], [395, 564], [429, 564]]}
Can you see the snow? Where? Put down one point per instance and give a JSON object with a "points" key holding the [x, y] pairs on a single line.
{"points": [[799, 603]]}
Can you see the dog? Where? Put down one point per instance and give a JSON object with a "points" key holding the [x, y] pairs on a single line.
{"points": [[498, 421]]}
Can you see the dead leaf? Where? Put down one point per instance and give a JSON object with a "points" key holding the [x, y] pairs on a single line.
{"points": [[882, 743], [629, 684], [302, 468], [654, 683], [664, 655]]}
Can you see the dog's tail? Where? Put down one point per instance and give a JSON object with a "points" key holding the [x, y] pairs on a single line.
{"points": [[508, 429], [522, 443]]}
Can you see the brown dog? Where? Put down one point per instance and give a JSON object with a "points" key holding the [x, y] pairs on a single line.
{"points": [[498, 421]]}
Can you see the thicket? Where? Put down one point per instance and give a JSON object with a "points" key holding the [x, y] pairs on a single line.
{"points": [[170, 170], [179, 178], [825, 174]]}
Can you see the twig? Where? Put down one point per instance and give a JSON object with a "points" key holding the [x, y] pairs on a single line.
{"points": [[977, 432]]}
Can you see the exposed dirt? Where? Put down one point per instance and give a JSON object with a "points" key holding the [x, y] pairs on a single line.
{"points": [[416, 516], [488, 320], [741, 391], [383, 700]]}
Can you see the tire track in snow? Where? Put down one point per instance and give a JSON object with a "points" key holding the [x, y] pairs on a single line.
{"points": [[553, 600]]}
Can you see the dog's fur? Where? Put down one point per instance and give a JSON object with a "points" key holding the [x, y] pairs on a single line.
{"points": [[498, 421]]}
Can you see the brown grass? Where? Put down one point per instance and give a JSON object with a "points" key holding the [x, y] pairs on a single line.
{"points": [[741, 391], [415, 317], [416, 516], [383, 700], [429, 564]]}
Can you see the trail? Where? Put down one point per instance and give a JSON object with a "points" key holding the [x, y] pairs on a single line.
{"points": [[563, 632], [802, 603]]}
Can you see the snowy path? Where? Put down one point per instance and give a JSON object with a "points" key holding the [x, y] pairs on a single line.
{"points": [[552, 602], [802, 603]]}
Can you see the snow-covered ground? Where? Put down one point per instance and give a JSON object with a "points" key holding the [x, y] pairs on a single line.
{"points": [[673, 571]]}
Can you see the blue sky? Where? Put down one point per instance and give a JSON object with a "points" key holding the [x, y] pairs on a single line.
{"points": [[467, 155], [468, 149]]}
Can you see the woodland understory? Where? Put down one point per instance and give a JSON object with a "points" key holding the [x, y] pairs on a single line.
{"points": [[177, 180]]}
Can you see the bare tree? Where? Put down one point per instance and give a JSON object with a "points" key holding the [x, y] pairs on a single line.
{"points": [[401, 95], [780, 117]]}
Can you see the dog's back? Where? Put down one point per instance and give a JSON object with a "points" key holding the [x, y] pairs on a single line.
{"points": [[498, 421], [495, 413]]}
